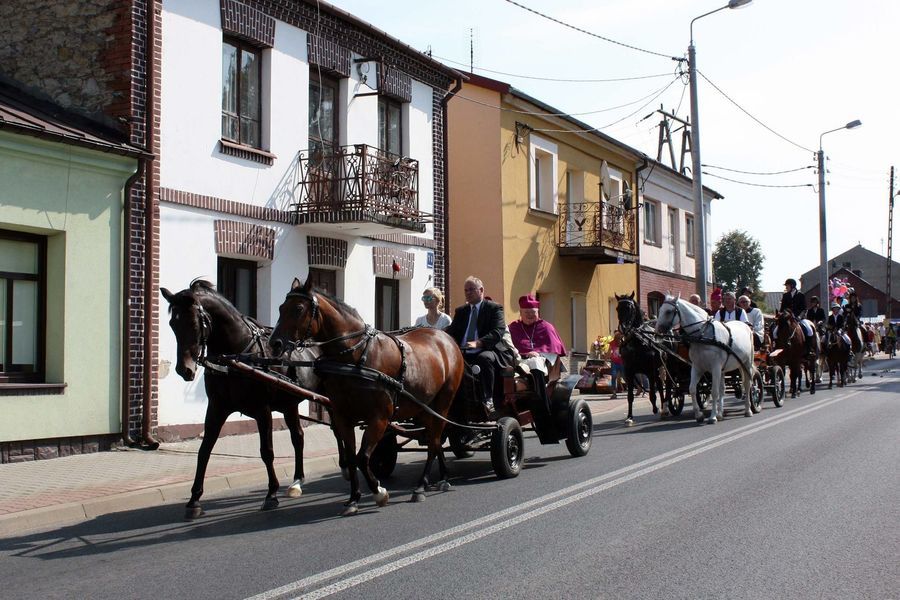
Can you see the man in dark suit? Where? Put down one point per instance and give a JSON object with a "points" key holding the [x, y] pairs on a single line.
{"points": [[478, 327], [793, 299]]}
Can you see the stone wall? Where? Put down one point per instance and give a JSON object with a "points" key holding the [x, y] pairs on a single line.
{"points": [[76, 52]]}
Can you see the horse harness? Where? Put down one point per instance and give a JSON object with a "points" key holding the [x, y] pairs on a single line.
{"points": [[257, 334]]}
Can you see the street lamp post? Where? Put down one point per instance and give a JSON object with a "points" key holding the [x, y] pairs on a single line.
{"points": [[699, 213], [823, 246]]}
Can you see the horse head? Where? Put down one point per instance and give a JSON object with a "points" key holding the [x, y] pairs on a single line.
{"points": [[191, 324], [297, 318], [668, 315], [628, 312]]}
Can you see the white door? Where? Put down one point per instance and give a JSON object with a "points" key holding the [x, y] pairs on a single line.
{"points": [[579, 323], [673, 241]]}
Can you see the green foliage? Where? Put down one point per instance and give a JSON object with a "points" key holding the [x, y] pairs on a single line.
{"points": [[737, 261]]}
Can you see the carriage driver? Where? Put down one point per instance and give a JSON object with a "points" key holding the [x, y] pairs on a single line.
{"points": [[730, 312], [478, 327], [794, 300]]}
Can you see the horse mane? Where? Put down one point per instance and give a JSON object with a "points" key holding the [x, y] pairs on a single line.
{"points": [[204, 287], [695, 310], [341, 306]]}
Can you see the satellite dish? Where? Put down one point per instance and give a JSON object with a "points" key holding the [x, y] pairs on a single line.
{"points": [[605, 183]]}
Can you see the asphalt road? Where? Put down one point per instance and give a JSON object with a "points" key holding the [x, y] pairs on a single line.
{"points": [[796, 502]]}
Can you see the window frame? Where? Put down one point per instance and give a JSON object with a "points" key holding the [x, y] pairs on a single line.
{"points": [[243, 46], [321, 79], [227, 269], [654, 223], [382, 283], [538, 177], [386, 103], [689, 237], [38, 375]]}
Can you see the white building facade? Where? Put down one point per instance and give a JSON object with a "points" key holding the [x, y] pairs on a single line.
{"points": [[294, 141], [668, 248]]}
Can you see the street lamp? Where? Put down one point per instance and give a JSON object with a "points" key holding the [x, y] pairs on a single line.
{"points": [[823, 251], [699, 214]]}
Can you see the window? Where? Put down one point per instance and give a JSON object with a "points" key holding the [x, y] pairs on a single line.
{"points": [[237, 282], [651, 222], [542, 194], [241, 99], [654, 301], [323, 113], [389, 126], [689, 234], [22, 307], [387, 304]]}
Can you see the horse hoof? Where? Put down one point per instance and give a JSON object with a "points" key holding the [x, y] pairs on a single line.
{"points": [[381, 497], [270, 503], [655, 410], [351, 510], [345, 473], [295, 491], [748, 413], [445, 486], [417, 497], [711, 421], [629, 422], [193, 512]]}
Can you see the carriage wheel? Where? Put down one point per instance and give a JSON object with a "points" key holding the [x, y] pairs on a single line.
{"points": [[458, 445], [676, 403], [580, 428], [776, 376], [756, 392], [507, 446], [384, 457]]}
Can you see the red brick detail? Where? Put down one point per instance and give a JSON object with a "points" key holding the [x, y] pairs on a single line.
{"points": [[326, 252], [31, 450], [228, 207], [246, 152], [384, 258], [246, 239], [664, 283], [405, 239], [328, 55], [394, 83], [247, 23]]}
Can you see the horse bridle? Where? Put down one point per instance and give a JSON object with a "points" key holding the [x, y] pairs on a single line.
{"points": [[304, 342], [684, 331], [206, 329], [628, 325]]}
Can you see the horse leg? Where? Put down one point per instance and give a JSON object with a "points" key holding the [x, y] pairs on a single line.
{"points": [[344, 428], [653, 378], [212, 427], [267, 453], [629, 393], [717, 393], [811, 373], [375, 428], [342, 451], [695, 379], [418, 494], [292, 418], [747, 384]]}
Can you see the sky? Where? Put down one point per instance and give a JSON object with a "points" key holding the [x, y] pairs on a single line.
{"points": [[799, 67]]}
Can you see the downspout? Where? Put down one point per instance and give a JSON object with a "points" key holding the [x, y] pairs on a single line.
{"points": [[149, 223], [126, 306], [446, 160], [637, 192]]}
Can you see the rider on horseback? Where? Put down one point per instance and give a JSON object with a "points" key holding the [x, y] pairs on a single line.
{"points": [[794, 301]]}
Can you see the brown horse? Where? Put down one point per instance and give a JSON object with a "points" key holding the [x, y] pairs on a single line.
{"points": [[837, 352], [206, 324], [373, 378], [857, 337], [791, 341]]}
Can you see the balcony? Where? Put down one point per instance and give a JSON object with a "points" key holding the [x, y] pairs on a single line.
{"points": [[359, 190], [600, 232]]}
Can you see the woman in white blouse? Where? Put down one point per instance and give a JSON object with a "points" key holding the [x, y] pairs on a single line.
{"points": [[435, 318]]}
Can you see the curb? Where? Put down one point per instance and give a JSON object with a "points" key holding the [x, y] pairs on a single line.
{"points": [[73, 512]]}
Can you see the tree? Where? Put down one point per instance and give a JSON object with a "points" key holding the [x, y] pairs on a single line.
{"points": [[737, 262]]}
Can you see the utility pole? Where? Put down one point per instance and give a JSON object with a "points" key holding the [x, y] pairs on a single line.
{"points": [[890, 289]]}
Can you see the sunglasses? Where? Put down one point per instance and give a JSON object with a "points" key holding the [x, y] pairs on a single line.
{"points": [[427, 298]]}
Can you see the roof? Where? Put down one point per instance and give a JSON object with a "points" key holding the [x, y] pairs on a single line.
{"points": [[28, 115], [655, 164], [872, 267]]}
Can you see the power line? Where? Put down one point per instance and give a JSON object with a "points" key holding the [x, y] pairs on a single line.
{"points": [[559, 79], [605, 39], [743, 110], [759, 172], [757, 184]]}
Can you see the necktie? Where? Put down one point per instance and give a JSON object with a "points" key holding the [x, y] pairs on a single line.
{"points": [[472, 330]]}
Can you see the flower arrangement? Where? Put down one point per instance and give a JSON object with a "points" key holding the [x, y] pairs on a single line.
{"points": [[600, 347]]}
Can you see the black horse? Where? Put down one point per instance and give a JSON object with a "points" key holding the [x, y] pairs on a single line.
{"points": [[638, 355], [207, 325]]}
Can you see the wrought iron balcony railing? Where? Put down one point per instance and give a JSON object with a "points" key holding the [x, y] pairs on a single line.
{"points": [[599, 230], [359, 183]]}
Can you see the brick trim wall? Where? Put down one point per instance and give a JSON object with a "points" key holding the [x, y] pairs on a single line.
{"points": [[30, 450], [247, 23], [326, 252], [440, 202], [245, 239], [328, 55], [227, 207], [383, 259], [405, 239], [393, 83], [655, 281]]}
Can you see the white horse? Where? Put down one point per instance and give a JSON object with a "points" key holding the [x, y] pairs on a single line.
{"points": [[708, 340]]}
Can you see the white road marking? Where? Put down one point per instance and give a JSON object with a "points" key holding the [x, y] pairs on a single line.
{"points": [[557, 499]]}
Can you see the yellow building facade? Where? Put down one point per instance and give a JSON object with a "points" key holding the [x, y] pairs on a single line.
{"points": [[527, 212]]}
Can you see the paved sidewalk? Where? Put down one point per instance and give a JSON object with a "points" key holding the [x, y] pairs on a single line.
{"points": [[52, 492]]}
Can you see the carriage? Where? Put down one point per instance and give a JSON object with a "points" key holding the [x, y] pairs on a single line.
{"points": [[553, 414]]}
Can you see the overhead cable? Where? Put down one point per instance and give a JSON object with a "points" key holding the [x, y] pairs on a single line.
{"points": [[559, 79], [605, 39], [743, 110], [757, 184], [760, 172]]}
